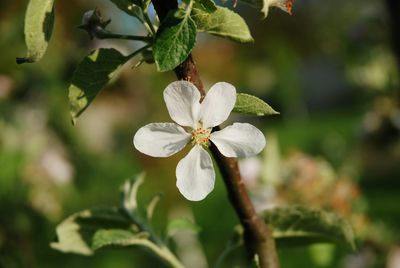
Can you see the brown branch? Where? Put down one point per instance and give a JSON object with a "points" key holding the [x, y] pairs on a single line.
{"points": [[257, 234], [188, 71]]}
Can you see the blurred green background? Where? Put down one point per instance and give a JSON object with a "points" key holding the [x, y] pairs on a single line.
{"points": [[329, 69]]}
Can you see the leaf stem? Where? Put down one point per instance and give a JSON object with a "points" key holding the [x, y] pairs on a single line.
{"points": [[189, 9], [109, 35], [148, 24], [133, 54]]}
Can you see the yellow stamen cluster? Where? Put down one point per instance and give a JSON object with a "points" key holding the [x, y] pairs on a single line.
{"points": [[201, 136]]}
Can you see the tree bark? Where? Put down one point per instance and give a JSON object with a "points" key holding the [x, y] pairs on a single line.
{"points": [[257, 234]]}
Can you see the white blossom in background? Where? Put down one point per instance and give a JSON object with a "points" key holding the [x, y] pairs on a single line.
{"points": [[285, 5], [250, 168], [59, 169], [195, 172]]}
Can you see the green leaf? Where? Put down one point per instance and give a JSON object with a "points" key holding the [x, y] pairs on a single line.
{"points": [[248, 104], [75, 234], [206, 5], [39, 22], [91, 75], [298, 225], [120, 238], [130, 7], [90, 230], [181, 224], [222, 22], [174, 41]]}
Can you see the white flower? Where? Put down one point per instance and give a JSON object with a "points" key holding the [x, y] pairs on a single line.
{"points": [[195, 172], [285, 5]]}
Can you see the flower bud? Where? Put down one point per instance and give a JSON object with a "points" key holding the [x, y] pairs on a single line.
{"points": [[285, 5], [93, 23]]}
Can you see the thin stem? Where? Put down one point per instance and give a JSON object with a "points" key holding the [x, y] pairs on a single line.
{"points": [[189, 9], [257, 234], [108, 35], [146, 25], [149, 23], [138, 51]]}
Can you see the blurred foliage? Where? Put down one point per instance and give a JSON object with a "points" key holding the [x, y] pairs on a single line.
{"points": [[328, 69]]}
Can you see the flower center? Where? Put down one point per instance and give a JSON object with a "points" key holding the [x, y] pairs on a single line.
{"points": [[201, 136]]}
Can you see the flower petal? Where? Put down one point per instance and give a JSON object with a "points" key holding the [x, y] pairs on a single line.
{"points": [[239, 140], [183, 103], [161, 139], [195, 174], [218, 104]]}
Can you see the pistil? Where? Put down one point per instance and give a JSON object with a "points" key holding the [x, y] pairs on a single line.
{"points": [[201, 136]]}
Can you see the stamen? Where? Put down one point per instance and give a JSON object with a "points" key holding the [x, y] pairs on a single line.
{"points": [[201, 136]]}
